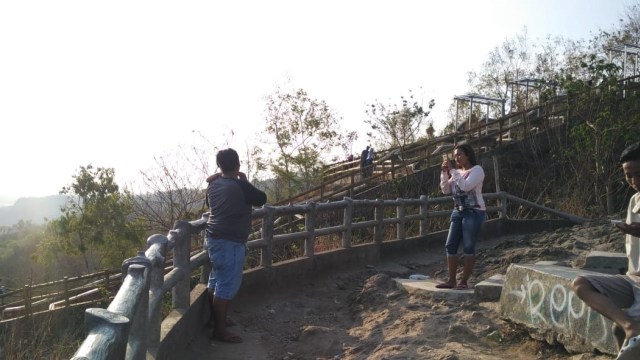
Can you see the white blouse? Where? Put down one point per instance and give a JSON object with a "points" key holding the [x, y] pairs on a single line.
{"points": [[465, 184]]}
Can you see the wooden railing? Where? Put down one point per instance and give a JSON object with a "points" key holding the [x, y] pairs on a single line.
{"points": [[130, 326], [60, 293], [346, 179]]}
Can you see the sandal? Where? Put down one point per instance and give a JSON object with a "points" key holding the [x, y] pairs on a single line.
{"points": [[228, 338], [229, 323], [630, 349], [445, 285]]}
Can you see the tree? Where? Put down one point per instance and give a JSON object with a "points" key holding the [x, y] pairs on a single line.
{"points": [[519, 58], [396, 125], [16, 247], [173, 190], [96, 225], [306, 133], [510, 61], [605, 118]]}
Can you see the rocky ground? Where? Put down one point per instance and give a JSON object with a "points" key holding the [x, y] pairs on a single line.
{"points": [[363, 315]]}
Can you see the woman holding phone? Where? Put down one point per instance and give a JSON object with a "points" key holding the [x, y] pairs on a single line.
{"points": [[464, 182]]}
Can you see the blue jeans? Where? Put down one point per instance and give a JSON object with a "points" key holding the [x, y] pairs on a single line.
{"points": [[227, 264], [465, 227]]}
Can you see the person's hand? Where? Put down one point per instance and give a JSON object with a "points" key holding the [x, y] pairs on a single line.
{"points": [[632, 229], [445, 166], [242, 176], [213, 177]]}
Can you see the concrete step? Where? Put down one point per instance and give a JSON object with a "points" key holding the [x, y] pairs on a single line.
{"points": [[428, 286], [486, 290], [606, 262], [490, 289]]}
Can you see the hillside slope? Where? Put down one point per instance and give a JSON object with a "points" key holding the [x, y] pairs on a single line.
{"points": [[34, 209]]}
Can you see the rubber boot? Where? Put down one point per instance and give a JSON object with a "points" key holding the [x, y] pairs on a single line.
{"points": [[452, 267], [467, 268]]}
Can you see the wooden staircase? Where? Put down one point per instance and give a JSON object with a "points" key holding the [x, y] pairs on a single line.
{"points": [[346, 178]]}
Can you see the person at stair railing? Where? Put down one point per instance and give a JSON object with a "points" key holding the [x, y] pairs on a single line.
{"points": [[464, 181], [230, 197], [614, 296], [363, 161], [371, 155]]}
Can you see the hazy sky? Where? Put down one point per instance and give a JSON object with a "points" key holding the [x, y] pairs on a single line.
{"points": [[116, 83]]}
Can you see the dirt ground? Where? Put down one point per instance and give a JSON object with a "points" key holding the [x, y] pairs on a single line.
{"points": [[363, 315]]}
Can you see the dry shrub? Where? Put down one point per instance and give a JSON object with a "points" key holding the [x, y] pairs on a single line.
{"points": [[51, 335], [327, 243]]}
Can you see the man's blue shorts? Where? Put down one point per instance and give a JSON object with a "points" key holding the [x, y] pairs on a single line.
{"points": [[227, 264]]}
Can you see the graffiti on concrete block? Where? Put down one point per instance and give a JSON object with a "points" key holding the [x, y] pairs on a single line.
{"points": [[557, 306]]}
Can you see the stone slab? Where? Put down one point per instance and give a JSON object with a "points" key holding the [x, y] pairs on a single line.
{"points": [[428, 286], [541, 298], [548, 262], [490, 289], [607, 262]]}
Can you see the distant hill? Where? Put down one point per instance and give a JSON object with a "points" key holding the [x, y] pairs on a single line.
{"points": [[34, 209], [7, 200]]}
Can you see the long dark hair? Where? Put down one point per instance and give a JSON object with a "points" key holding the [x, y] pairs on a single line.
{"points": [[468, 150]]}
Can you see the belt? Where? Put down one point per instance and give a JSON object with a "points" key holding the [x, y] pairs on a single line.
{"points": [[460, 208]]}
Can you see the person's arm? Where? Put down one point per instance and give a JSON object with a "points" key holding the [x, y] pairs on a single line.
{"points": [[632, 229], [474, 178], [252, 195], [445, 184], [213, 177]]}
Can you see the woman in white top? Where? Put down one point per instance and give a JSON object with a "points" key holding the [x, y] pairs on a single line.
{"points": [[464, 182]]}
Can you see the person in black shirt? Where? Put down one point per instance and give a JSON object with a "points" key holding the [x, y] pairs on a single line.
{"points": [[230, 197], [363, 161]]}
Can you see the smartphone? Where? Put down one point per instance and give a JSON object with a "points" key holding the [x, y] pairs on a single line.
{"points": [[617, 221]]}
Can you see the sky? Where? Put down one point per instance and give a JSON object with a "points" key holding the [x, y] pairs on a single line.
{"points": [[118, 83]]}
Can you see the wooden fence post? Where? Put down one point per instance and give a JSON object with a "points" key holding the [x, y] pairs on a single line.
{"points": [[393, 168], [65, 284], [266, 255], [156, 243], [424, 218], [27, 300], [182, 243], [353, 181], [379, 227], [347, 221], [107, 282], [496, 171], [206, 268], [400, 211], [310, 228], [107, 335]]}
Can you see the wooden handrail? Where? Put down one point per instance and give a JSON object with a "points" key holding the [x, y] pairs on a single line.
{"points": [[336, 175]]}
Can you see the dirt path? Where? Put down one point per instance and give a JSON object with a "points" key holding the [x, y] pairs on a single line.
{"points": [[363, 315]]}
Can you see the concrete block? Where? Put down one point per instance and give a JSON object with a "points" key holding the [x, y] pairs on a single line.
{"points": [[540, 297], [429, 287], [607, 262], [489, 289], [548, 262]]}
